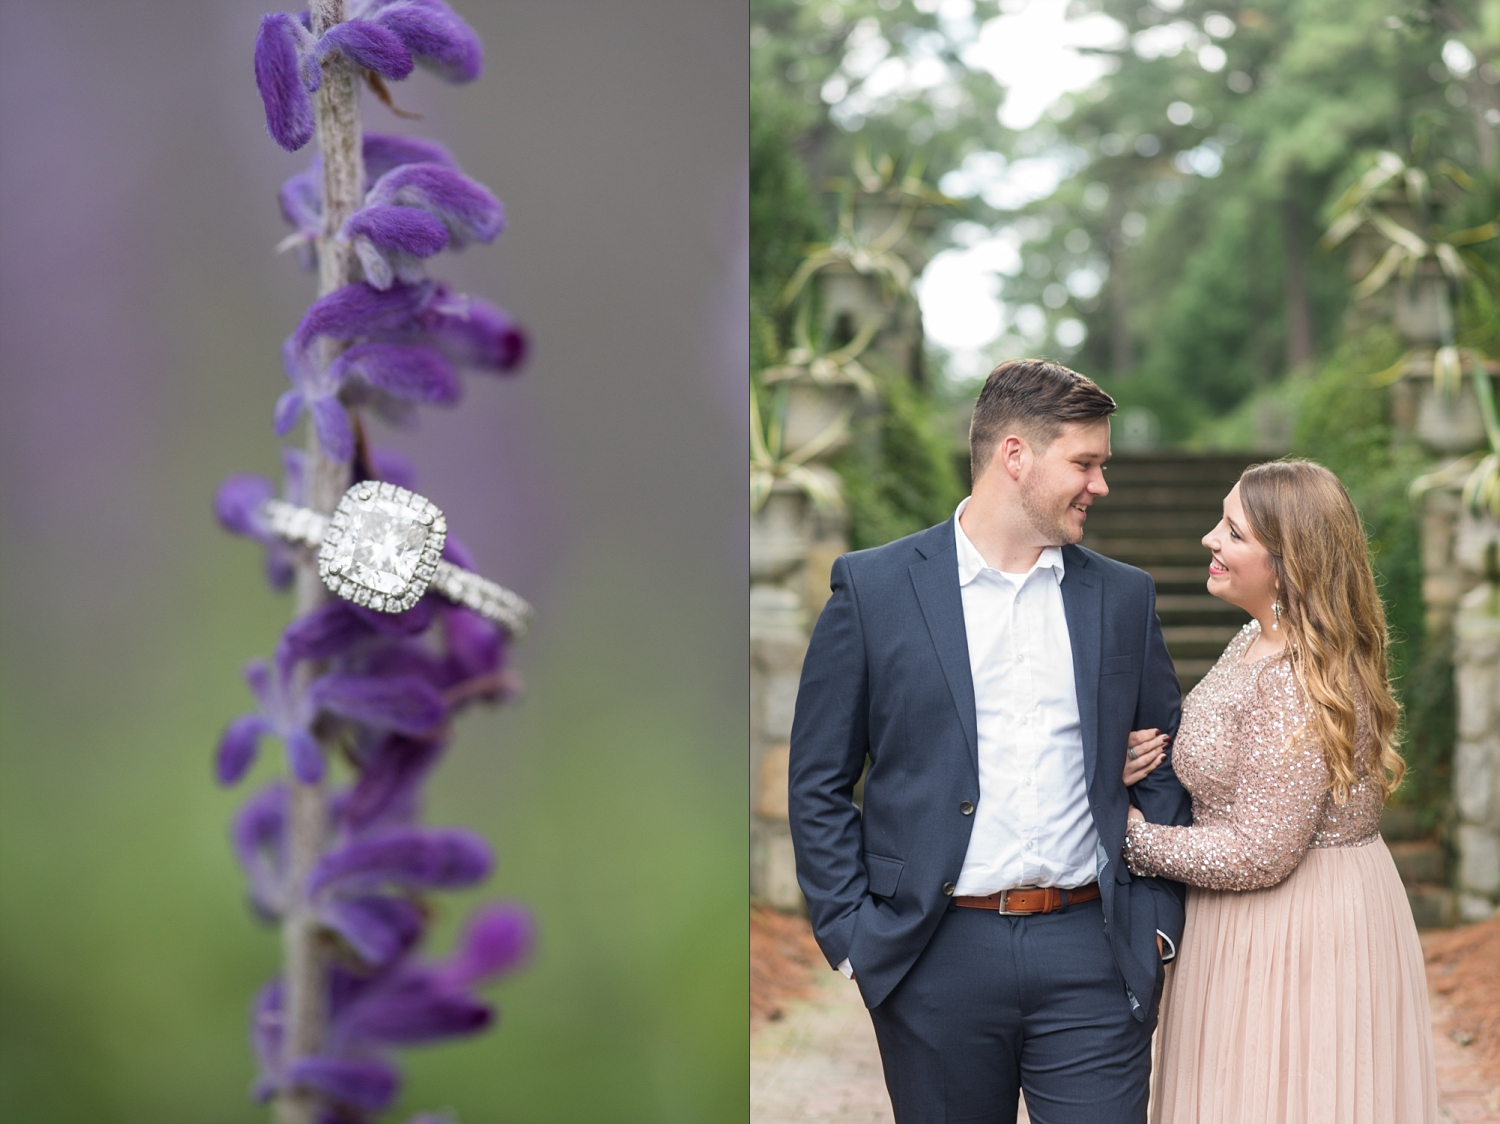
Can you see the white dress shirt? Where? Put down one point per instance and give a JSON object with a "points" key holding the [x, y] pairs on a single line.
{"points": [[1032, 825]]}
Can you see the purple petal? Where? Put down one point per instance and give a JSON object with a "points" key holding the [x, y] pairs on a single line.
{"points": [[402, 228], [394, 466], [409, 1011], [237, 504], [383, 152], [305, 756], [259, 839], [401, 703], [390, 783], [238, 746], [411, 622], [437, 37], [457, 553], [405, 856], [301, 199], [378, 929], [257, 676], [410, 372], [288, 410], [331, 421], [475, 645], [465, 206], [279, 78], [475, 333], [360, 311], [367, 1084], [329, 630], [368, 44], [498, 940]]}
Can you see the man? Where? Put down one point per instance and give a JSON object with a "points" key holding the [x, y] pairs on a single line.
{"points": [[990, 670]]}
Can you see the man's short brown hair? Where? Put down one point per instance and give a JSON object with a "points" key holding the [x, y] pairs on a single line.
{"points": [[1033, 398]]}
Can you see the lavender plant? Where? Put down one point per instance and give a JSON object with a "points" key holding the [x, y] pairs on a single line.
{"points": [[363, 701]]}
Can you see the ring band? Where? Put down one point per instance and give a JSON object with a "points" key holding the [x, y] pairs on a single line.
{"points": [[1131, 752], [382, 549]]}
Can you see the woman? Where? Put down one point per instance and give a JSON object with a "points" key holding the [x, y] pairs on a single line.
{"points": [[1299, 995]]}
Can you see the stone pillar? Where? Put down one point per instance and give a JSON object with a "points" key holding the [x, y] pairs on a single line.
{"points": [[1476, 756]]}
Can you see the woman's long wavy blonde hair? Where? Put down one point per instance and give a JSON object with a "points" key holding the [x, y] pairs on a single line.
{"points": [[1332, 614]]}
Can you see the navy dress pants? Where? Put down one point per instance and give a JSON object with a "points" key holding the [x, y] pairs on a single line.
{"points": [[995, 1004]]}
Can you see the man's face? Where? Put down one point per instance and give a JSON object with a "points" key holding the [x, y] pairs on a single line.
{"points": [[1064, 479]]}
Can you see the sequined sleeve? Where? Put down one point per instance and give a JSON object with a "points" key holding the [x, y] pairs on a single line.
{"points": [[1281, 787]]}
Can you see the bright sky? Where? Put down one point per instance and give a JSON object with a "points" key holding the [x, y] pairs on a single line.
{"points": [[1033, 51]]}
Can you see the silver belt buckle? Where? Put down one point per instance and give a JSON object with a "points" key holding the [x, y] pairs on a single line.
{"points": [[1005, 899]]}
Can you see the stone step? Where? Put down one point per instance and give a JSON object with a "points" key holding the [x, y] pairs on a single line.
{"points": [[1403, 825], [1206, 642], [1182, 468], [1189, 495], [1190, 671], [1149, 553], [1180, 579], [1140, 522], [1420, 861], [1433, 906], [1198, 608]]}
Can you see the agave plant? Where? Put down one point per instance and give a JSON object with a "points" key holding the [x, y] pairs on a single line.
{"points": [[770, 463], [839, 367], [871, 255]]}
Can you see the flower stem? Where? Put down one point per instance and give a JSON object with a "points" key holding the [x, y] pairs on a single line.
{"points": [[305, 995]]}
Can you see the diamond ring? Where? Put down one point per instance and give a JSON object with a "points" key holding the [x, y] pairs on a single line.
{"points": [[382, 548]]}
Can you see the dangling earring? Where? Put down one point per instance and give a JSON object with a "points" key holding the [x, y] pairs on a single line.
{"points": [[1276, 611]]}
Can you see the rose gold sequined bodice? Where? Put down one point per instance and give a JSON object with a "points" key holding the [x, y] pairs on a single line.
{"points": [[1260, 798]]}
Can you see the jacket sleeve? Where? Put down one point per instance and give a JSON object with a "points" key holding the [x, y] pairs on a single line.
{"points": [[830, 739], [1160, 795]]}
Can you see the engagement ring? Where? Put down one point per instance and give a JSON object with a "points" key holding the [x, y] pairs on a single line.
{"points": [[382, 548]]}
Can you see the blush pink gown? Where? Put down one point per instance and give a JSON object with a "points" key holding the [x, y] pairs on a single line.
{"points": [[1299, 994]]}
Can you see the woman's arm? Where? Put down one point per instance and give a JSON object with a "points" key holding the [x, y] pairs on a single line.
{"points": [[1282, 783]]}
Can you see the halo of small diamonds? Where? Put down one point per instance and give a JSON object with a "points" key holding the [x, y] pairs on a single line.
{"points": [[382, 546]]}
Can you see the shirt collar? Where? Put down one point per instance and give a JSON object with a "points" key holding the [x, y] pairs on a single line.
{"points": [[971, 563]]}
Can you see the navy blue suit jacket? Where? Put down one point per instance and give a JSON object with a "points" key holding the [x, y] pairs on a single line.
{"points": [[887, 677]]}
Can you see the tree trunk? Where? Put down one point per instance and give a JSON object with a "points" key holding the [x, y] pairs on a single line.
{"points": [[1299, 319]]}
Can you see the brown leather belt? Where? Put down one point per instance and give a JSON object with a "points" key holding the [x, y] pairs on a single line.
{"points": [[1031, 899]]}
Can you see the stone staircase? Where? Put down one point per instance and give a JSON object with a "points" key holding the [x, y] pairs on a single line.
{"points": [[1160, 504]]}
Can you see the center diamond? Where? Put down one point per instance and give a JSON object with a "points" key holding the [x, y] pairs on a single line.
{"points": [[381, 546]]}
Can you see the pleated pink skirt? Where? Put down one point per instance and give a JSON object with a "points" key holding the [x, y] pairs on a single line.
{"points": [[1304, 1003]]}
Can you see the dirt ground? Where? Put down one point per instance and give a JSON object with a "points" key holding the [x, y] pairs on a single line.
{"points": [[783, 961], [1463, 968]]}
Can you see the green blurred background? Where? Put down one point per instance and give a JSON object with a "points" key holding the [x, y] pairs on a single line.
{"points": [[141, 309]]}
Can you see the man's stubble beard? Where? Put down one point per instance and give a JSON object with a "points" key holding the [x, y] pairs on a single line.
{"points": [[1053, 526]]}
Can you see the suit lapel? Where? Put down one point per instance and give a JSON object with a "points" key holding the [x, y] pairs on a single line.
{"points": [[936, 583], [1082, 596]]}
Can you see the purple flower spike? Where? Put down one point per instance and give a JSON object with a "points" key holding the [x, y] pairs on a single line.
{"points": [[411, 1010], [378, 929], [238, 747], [237, 505], [498, 940], [327, 631], [409, 372], [405, 856], [391, 242], [467, 208], [367, 1084], [395, 467], [390, 783], [368, 45], [358, 312], [259, 838], [475, 333], [305, 756], [384, 151], [402, 703], [283, 80], [315, 391], [435, 35]]}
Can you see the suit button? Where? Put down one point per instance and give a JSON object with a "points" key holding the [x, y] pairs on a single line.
{"points": [[966, 808], [949, 887]]}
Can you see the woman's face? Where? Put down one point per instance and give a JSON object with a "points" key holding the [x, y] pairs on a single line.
{"points": [[1240, 570]]}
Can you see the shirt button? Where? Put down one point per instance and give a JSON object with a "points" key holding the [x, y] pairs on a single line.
{"points": [[1020, 659], [966, 807], [1031, 844], [949, 887], [1027, 782]]}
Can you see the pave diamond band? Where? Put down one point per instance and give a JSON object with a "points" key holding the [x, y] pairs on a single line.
{"points": [[382, 548]]}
